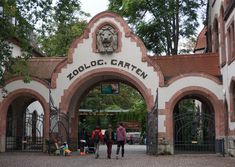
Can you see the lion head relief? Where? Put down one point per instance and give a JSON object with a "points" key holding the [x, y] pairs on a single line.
{"points": [[106, 39]]}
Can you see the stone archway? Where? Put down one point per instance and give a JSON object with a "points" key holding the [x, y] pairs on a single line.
{"points": [[66, 98], [216, 104], [79, 87], [6, 104]]}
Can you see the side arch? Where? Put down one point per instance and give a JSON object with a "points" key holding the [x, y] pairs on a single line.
{"points": [[216, 103], [9, 99], [203, 75], [43, 82]]}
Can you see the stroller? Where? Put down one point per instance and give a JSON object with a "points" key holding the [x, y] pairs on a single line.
{"points": [[90, 147]]}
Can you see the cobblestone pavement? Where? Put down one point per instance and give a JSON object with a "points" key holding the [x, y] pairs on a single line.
{"points": [[135, 156]]}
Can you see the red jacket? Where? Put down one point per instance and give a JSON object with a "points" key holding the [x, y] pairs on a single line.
{"points": [[97, 131]]}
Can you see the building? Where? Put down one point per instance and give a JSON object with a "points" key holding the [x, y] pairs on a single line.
{"points": [[109, 51], [221, 40]]}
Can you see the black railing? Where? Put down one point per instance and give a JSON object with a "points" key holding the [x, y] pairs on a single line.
{"points": [[220, 146], [24, 143], [194, 147]]}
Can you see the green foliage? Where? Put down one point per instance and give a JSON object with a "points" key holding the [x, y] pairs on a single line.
{"points": [[5, 58], [63, 26], [189, 46], [59, 43], [17, 23], [160, 23], [55, 23], [128, 99], [124, 100]]}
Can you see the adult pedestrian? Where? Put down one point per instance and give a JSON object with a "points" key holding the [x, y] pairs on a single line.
{"points": [[121, 139], [97, 138], [109, 140], [83, 140]]}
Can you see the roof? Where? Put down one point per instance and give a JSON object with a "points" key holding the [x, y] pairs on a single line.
{"points": [[43, 67], [36, 52], [172, 66], [201, 40]]}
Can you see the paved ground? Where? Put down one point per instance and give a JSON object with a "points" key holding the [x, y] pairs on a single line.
{"points": [[135, 157]]}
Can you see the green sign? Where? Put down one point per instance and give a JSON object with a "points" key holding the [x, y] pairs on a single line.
{"points": [[109, 88]]}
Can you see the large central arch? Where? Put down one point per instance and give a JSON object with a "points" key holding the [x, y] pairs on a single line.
{"points": [[100, 75], [70, 102]]}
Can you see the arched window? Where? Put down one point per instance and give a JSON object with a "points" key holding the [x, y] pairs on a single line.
{"points": [[222, 37], [215, 44], [231, 41], [232, 100]]}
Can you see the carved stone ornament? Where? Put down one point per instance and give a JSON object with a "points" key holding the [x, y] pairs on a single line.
{"points": [[106, 39]]}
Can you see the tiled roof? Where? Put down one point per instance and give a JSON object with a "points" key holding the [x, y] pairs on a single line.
{"points": [[201, 40], [43, 67], [172, 66]]}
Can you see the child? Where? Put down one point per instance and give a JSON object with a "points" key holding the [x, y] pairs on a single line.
{"points": [[65, 147]]}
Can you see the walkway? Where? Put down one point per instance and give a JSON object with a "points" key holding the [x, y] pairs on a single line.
{"points": [[135, 157]]}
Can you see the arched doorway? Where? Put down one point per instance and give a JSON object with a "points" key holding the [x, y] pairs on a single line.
{"points": [[71, 101], [24, 125], [194, 125], [24, 116], [109, 103]]}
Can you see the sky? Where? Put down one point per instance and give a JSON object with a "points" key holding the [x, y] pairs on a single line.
{"points": [[94, 6]]}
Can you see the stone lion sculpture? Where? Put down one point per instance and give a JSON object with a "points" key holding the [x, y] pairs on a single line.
{"points": [[106, 39]]}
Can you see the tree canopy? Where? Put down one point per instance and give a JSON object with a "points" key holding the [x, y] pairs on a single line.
{"points": [[160, 23], [127, 99], [65, 23], [54, 23]]}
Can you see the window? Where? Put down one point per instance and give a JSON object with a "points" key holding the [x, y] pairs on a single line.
{"points": [[232, 100], [222, 37], [233, 91], [231, 42], [215, 37]]}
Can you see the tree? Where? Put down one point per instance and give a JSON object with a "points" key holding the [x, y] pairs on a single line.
{"points": [[188, 46], [64, 25], [56, 22], [17, 18], [59, 43], [160, 23], [128, 98]]}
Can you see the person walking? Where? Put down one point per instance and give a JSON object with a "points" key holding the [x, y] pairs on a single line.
{"points": [[83, 140], [109, 140], [97, 137], [121, 139]]}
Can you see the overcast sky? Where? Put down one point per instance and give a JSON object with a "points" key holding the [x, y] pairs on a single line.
{"points": [[94, 6]]}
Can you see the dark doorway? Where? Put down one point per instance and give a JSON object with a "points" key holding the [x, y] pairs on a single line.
{"points": [[24, 130], [194, 126]]}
